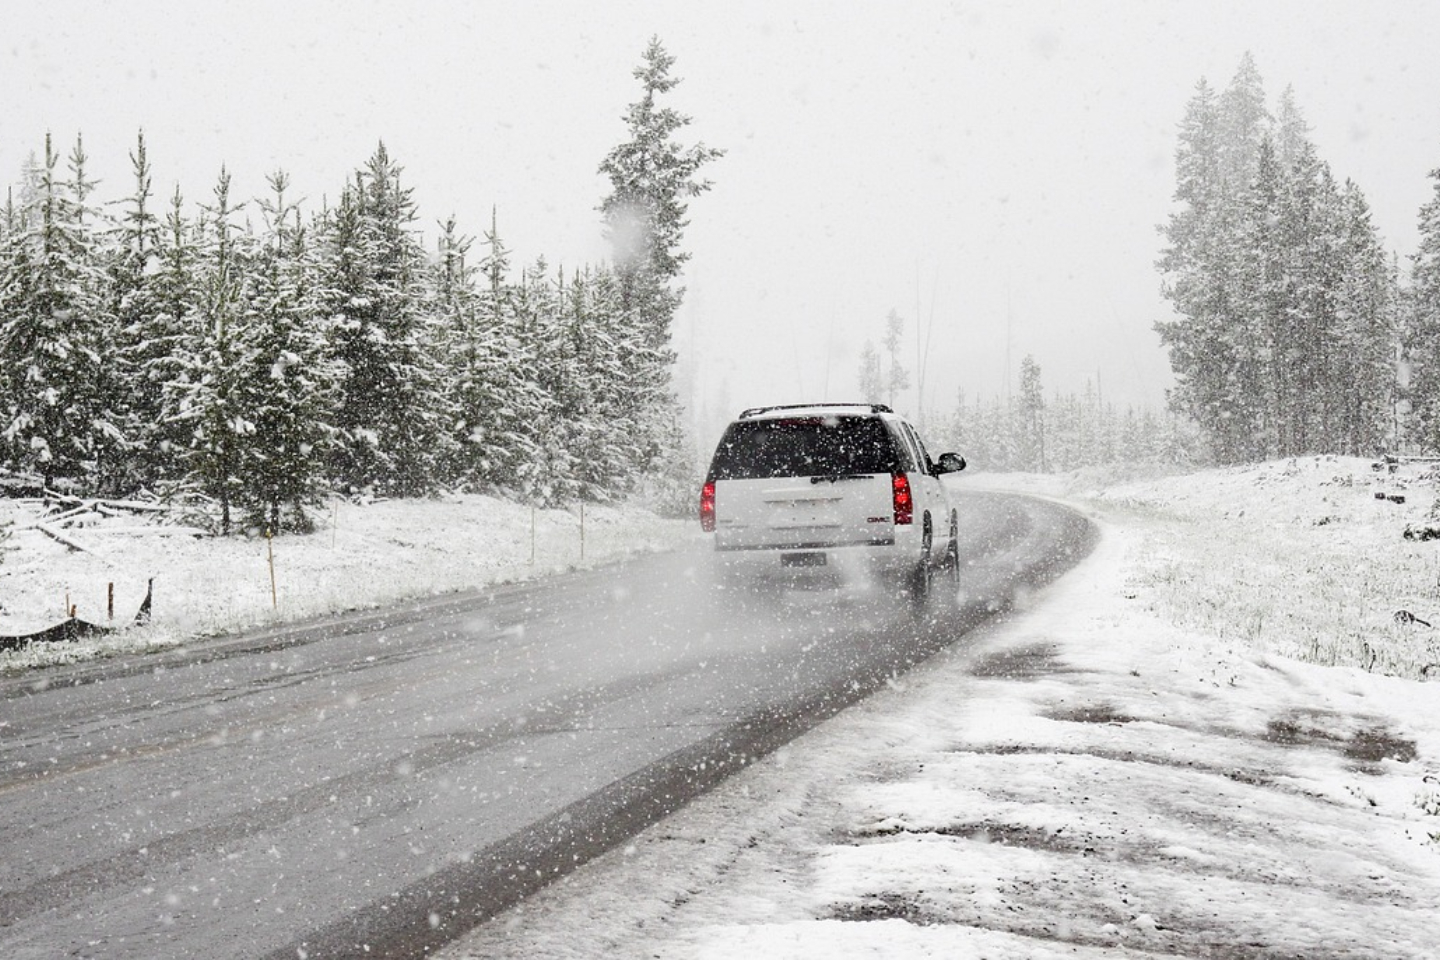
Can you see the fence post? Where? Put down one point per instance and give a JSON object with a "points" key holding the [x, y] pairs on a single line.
{"points": [[110, 600], [270, 549]]}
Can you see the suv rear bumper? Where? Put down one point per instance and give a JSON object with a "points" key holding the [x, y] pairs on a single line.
{"points": [[820, 562], [886, 541]]}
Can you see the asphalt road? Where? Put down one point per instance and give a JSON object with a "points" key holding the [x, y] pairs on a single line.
{"points": [[376, 785]]}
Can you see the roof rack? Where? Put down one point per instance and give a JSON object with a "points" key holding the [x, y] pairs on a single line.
{"points": [[756, 411]]}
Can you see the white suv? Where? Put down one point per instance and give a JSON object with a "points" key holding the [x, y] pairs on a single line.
{"points": [[829, 489]]}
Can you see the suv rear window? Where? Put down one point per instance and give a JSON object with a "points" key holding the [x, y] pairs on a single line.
{"points": [[803, 447]]}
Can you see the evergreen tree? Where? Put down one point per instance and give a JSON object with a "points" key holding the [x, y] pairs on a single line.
{"points": [[1421, 342], [54, 333], [145, 339], [162, 349], [1032, 410], [1365, 346], [872, 383], [1260, 324], [594, 393], [547, 478], [390, 416], [1244, 122], [455, 301], [1199, 265], [898, 378], [505, 400], [286, 390], [1283, 311], [652, 178], [218, 358]]}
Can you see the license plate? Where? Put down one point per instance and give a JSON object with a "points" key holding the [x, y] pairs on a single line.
{"points": [[802, 560]]}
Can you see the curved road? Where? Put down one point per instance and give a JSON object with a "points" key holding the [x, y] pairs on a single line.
{"points": [[378, 784]]}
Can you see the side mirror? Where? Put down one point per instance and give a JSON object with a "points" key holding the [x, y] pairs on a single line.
{"points": [[950, 463]]}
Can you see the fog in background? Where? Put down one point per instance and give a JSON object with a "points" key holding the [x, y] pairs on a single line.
{"points": [[995, 173]]}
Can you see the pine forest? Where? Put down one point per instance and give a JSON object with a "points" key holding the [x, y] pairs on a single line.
{"points": [[254, 357], [1294, 332]]}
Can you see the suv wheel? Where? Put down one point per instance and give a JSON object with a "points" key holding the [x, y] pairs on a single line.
{"points": [[921, 581], [922, 577], [951, 562]]}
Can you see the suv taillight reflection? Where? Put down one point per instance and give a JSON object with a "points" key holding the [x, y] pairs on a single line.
{"points": [[904, 505], [707, 507]]}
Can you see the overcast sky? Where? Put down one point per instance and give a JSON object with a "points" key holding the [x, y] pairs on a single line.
{"points": [[995, 172]]}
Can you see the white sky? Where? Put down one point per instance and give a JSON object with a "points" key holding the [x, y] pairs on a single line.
{"points": [[1005, 165]]}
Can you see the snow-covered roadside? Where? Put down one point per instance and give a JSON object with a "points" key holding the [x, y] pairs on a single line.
{"points": [[1126, 768], [363, 555]]}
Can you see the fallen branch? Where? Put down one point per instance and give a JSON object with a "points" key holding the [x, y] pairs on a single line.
{"points": [[153, 531], [131, 506], [57, 517], [69, 541]]}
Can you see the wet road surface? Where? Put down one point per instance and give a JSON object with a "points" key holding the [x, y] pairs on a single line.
{"points": [[380, 783]]}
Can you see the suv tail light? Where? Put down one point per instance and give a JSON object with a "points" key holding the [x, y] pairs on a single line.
{"points": [[707, 507], [904, 505]]}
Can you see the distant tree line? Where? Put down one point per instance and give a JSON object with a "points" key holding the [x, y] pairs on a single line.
{"points": [[263, 356], [1028, 433], [1289, 312], [1420, 340]]}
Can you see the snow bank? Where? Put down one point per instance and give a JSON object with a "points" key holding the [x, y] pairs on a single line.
{"points": [[363, 555]]}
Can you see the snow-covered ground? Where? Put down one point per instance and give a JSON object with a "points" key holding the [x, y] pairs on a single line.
{"points": [[363, 555], [1212, 739], [1137, 764]]}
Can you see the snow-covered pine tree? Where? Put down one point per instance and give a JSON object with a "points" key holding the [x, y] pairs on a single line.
{"points": [[144, 341], [1032, 415], [871, 381], [1243, 122], [1367, 301], [548, 477], [454, 301], [54, 334], [286, 392], [1227, 270], [663, 465], [602, 394], [1259, 324], [217, 361], [31, 175], [897, 378], [390, 415], [1195, 266], [1422, 338], [485, 389], [580, 359], [652, 177], [1066, 422], [108, 440], [1264, 263], [163, 348], [503, 400]]}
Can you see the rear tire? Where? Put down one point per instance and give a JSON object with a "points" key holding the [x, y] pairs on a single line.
{"points": [[951, 562], [921, 580]]}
